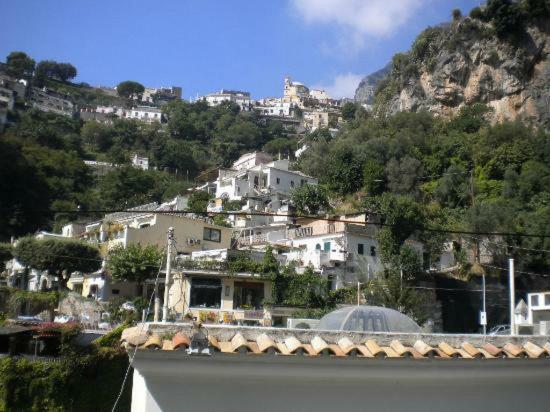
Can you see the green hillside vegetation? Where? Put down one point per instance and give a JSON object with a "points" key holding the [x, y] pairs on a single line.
{"points": [[419, 172]]}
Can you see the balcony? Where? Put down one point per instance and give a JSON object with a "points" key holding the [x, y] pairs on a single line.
{"points": [[252, 240], [316, 230]]}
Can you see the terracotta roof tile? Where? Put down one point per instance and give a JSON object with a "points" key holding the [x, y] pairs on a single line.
{"points": [[295, 343], [448, 350], [266, 344], [514, 351], [390, 353], [485, 354], [153, 342], [471, 350], [180, 341], [493, 350], [214, 342], [346, 345], [374, 349], [400, 349], [282, 348], [533, 350], [424, 349]]}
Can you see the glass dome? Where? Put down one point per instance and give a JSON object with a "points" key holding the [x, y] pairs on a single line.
{"points": [[368, 319]]}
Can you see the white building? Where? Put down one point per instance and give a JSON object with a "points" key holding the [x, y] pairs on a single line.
{"points": [[145, 114], [140, 162], [262, 179], [533, 317], [240, 98], [282, 109]]}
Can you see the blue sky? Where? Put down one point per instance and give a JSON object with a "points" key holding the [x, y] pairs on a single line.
{"points": [[206, 45]]}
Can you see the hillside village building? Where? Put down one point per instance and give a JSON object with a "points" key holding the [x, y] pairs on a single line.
{"points": [[240, 98], [261, 179], [147, 228], [203, 287], [161, 95]]}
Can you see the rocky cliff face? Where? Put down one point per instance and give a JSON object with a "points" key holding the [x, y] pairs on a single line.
{"points": [[365, 91], [465, 63]]}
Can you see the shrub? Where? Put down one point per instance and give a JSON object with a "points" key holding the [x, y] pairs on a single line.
{"points": [[457, 14], [477, 13]]}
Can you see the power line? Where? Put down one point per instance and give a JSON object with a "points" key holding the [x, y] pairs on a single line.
{"points": [[268, 214], [517, 271], [511, 246]]}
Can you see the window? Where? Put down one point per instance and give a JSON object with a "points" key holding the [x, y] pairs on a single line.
{"points": [[360, 249], [326, 246], [317, 246], [534, 300], [547, 300], [213, 235], [248, 295], [373, 250], [292, 183], [256, 181], [278, 180], [115, 292], [264, 181], [206, 293]]}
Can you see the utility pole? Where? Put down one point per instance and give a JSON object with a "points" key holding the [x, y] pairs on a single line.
{"points": [[512, 295], [483, 314], [170, 238]]}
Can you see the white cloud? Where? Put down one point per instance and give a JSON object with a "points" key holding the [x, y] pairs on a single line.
{"points": [[358, 19], [343, 85]]}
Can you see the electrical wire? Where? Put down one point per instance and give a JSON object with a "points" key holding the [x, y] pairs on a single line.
{"points": [[510, 246], [517, 271]]}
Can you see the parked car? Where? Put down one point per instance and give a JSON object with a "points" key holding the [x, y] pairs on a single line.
{"points": [[500, 330]]}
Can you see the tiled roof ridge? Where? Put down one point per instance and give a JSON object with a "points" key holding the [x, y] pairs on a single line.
{"points": [[338, 344]]}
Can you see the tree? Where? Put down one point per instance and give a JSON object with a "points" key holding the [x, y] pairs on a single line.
{"points": [[23, 187], [344, 170], [310, 199], [6, 253], [505, 15], [99, 135], [470, 118], [391, 290], [404, 175], [174, 155], [128, 186], [280, 146], [457, 14], [403, 217], [59, 257], [19, 64], [348, 111], [55, 70], [130, 89], [134, 263], [374, 177], [198, 202], [536, 8], [476, 13]]}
